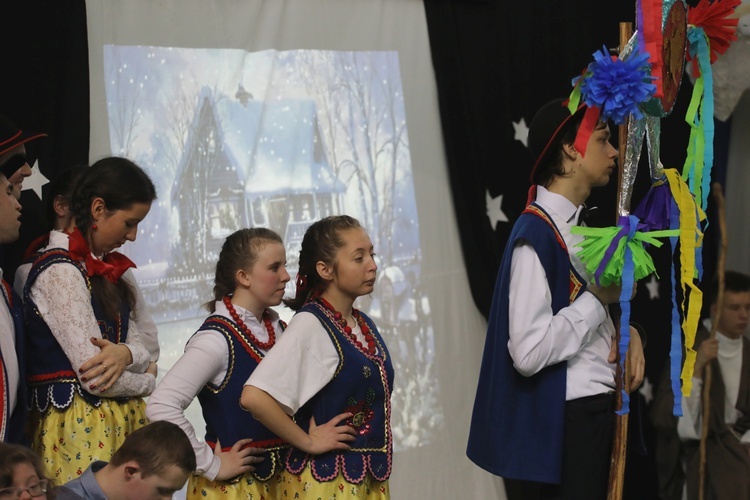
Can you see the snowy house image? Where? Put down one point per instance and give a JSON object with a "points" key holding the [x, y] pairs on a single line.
{"points": [[249, 163]]}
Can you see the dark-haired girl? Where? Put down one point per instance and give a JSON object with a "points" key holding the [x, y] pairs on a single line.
{"points": [[87, 367], [331, 366], [250, 279]]}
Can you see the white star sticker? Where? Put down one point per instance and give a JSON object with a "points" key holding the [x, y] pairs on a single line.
{"points": [[647, 390], [495, 210], [522, 132], [653, 288], [35, 181]]}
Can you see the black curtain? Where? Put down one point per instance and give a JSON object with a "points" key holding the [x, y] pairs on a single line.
{"points": [[45, 87]]}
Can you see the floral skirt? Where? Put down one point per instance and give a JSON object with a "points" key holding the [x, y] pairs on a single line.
{"points": [[69, 440], [247, 487], [306, 486]]}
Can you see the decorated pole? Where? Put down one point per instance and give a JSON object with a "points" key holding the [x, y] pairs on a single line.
{"points": [[620, 442], [719, 198]]}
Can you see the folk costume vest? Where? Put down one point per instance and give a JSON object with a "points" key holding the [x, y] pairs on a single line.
{"points": [[12, 423], [224, 417], [51, 378], [517, 424], [361, 385]]}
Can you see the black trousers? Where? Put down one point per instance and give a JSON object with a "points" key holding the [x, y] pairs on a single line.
{"points": [[587, 446]]}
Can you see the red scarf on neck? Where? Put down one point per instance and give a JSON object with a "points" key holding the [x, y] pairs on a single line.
{"points": [[111, 266]]}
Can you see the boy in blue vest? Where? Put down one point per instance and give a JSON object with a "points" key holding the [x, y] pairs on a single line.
{"points": [[544, 411], [13, 169]]}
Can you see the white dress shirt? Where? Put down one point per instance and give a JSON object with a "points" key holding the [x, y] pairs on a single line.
{"points": [[300, 364], [580, 334]]}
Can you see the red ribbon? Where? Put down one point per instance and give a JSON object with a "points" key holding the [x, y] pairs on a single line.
{"points": [[111, 266], [585, 129]]}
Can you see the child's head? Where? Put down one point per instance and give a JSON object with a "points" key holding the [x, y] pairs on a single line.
{"points": [[21, 468], [156, 460], [552, 127], [328, 244], [60, 197], [111, 198], [253, 259]]}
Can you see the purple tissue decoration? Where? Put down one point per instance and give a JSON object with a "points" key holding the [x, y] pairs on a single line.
{"points": [[618, 87], [655, 208]]}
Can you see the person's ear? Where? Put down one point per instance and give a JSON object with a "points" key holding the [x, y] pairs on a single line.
{"points": [[570, 151], [59, 205], [130, 469], [242, 278], [324, 270], [98, 208]]}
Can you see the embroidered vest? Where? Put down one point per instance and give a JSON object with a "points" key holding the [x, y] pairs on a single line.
{"points": [[51, 378], [362, 385], [517, 423], [224, 417]]}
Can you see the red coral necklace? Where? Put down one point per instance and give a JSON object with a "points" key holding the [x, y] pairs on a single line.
{"points": [[369, 337], [266, 320]]}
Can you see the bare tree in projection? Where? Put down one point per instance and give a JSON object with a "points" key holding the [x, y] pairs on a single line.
{"points": [[127, 84]]}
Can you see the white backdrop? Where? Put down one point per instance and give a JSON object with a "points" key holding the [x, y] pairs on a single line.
{"points": [[437, 468]]}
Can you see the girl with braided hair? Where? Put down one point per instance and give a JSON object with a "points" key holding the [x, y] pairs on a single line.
{"points": [[331, 366], [88, 368], [239, 457]]}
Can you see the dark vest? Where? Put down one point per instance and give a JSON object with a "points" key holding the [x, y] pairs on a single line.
{"points": [[50, 376], [362, 385], [517, 424], [224, 417]]}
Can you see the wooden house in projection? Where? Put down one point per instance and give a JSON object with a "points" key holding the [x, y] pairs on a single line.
{"points": [[250, 163]]}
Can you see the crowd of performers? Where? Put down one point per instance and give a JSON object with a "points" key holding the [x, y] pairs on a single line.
{"points": [[292, 411]]}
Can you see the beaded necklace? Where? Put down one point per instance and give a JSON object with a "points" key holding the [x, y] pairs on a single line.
{"points": [[369, 337], [266, 320]]}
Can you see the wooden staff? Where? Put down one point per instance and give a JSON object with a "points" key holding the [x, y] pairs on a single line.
{"points": [[706, 394], [620, 442]]}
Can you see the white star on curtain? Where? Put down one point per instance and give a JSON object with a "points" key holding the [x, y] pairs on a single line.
{"points": [[495, 210], [35, 181], [521, 131]]}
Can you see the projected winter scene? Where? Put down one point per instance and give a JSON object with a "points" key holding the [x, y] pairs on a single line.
{"points": [[236, 139]]}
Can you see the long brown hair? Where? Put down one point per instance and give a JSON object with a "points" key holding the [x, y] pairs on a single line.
{"points": [[120, 183], [320, 243]]}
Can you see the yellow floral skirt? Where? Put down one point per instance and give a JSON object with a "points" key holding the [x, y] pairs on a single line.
{"points": [[306, 486], [69, 440], [247, 487]]}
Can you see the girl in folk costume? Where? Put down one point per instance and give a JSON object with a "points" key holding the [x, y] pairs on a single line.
{"points": [[331, 366], [59, 215], [87, 366], [239, 457]]}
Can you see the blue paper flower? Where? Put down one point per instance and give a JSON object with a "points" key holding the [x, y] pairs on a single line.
{"points": [[618, 87]]}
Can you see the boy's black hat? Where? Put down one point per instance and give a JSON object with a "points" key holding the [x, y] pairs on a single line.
{"points": [[549, 123], [11, 137]]}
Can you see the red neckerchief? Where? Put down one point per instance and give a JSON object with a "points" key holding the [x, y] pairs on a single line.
{"points": [[111, 266]]}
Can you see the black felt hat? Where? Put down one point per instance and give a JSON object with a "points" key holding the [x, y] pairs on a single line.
{"points": [[11, 137], [550, 123]]}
